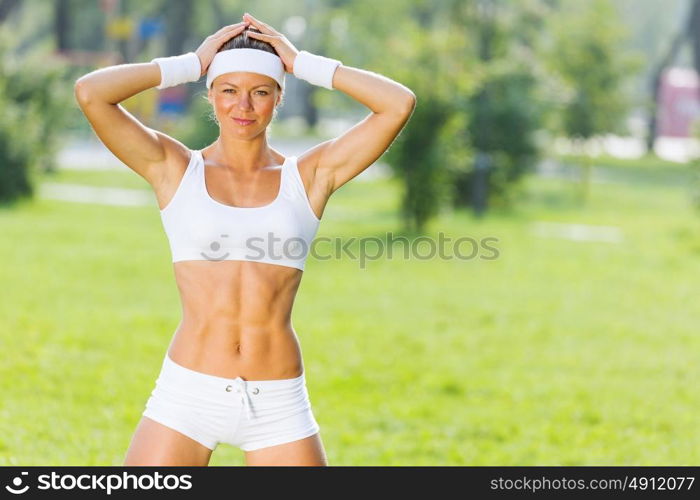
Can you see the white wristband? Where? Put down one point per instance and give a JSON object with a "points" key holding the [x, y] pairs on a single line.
{"points": [[178, 69], [317, 70]]}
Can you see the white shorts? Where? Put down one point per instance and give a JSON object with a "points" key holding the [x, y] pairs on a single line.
{"points": [[249, 414]]}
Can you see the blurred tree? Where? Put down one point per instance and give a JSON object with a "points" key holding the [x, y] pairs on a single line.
{"points": [[316, 40], [587, 56], [474, 67], [24, 100], [178, 25], [694, 30], [16, 152], [426, 52], [78, 26], [689, 30], [503, 111], [418, 45], [198, 128], [415, 158], [62, 20], [6, 7], [504, 116]]}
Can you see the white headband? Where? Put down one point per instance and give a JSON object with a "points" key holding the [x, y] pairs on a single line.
{"points": [[248, 60]]}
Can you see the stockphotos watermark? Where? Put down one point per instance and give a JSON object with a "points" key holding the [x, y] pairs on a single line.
{"points": [[362, 250], [101, 482]]}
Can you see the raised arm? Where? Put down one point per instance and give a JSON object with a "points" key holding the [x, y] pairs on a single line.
{"points": [[391, 103], [143, 149], [99, 93], [338, 160]]}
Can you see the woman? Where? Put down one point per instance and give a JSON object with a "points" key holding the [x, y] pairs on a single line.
{"points": [[239, 217]]}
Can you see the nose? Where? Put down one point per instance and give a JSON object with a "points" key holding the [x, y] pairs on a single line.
{"points": [[244, 102]]}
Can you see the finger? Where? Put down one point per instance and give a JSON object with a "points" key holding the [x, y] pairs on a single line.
{"points": [[262, 36], [259, 24], [254, 22], [229, 29], [229, 32], [236, 26]]}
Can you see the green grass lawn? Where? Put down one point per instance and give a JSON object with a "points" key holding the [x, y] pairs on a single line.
{"points": [[557, 352], [122, 177], [647, 169]]}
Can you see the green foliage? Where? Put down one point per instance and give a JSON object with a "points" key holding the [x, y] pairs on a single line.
{"points": [[36, 97], [695, 167], [503, 116], [475, 72], [414, 156], [590, 61], [503, 109], [198, 128], [433, 64], [16, 151]]}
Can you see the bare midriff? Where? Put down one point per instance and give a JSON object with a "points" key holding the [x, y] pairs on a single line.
{"points": [[236, 319]]}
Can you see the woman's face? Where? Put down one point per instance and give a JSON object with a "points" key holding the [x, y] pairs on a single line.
{"points": [[246, 96]]}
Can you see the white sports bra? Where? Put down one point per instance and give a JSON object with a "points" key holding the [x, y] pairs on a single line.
{"points": [[201, 228]]}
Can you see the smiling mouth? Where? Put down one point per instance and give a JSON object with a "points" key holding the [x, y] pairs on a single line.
{"points": [[243, 122]]}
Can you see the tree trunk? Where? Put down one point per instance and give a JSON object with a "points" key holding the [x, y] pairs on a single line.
{"points": [[309, 110], [179, 17], [178, 14], [586, 172], [482, 164], [665, 62], [6, 7], [694, 32], [690, 31], [62, 24]]}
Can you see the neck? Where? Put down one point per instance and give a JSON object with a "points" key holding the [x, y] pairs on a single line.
{"points": [[243, 155]]}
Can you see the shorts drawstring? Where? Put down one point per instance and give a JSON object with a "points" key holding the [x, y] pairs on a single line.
{"points": [[241, 389]]}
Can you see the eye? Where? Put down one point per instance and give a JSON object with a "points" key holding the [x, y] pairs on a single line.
{"points": [[263, 91]]}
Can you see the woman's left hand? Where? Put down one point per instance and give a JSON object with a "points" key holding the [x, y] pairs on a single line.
{"points": [[279, 42]]}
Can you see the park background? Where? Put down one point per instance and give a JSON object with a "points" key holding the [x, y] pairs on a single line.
{"points": [[564, 131]]}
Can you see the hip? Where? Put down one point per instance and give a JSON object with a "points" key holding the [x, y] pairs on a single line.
{"points": [[251, 414]]}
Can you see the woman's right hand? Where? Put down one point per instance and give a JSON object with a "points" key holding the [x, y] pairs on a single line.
{"points": [[213, 43]]}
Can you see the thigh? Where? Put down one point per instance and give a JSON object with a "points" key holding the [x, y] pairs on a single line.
{"points": [[308, 451], [155, 444]]}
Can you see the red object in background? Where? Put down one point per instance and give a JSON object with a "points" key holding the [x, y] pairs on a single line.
{"points": [[108, 5], [679, 102]]}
